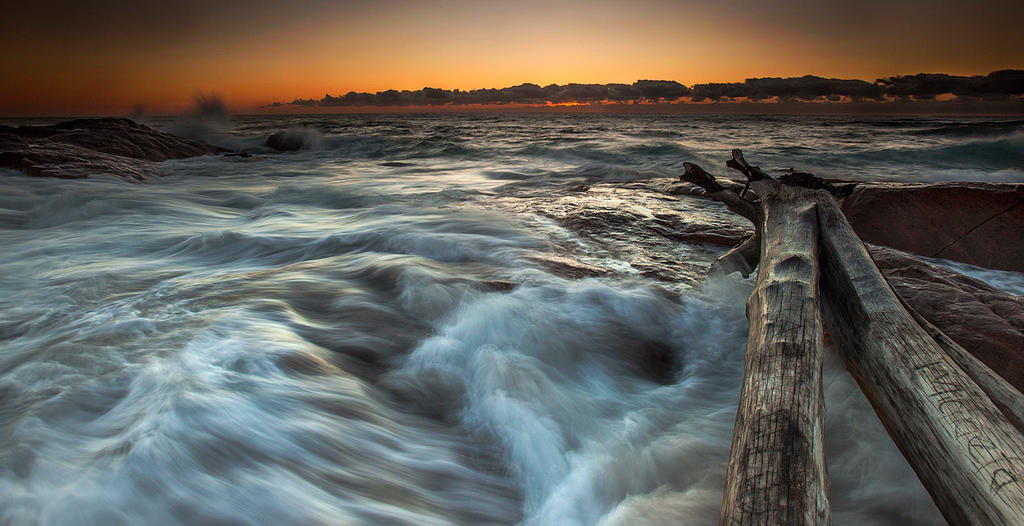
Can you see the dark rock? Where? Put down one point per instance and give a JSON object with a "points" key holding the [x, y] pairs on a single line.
{"points": [[985, 321], [976, 223], [806, 180], [292, 140], [71, 162], [83, 147], [128, 138]]}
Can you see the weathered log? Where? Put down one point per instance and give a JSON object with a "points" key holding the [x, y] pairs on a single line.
{"points": [[967, 454], [959, 438], [777, 465]]}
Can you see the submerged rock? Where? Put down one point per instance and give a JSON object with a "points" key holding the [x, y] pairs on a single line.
{"points": [[567, 267], [659, 236], [84, 147], [976, 223]]}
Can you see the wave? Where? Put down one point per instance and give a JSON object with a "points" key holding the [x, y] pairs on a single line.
{"points": [[1003, 152], [219, 431], [634, 427], [377, 331], [970, 130]]}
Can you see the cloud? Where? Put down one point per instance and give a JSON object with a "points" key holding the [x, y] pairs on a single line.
{"points": [[639, 91], [806, 88], [922, 86], [998, 84]]}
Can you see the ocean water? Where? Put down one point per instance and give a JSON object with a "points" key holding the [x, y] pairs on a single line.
{"points": [[419, 319]]}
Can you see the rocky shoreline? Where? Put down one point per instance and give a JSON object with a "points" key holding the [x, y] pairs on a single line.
{"points": [[83, 147]]}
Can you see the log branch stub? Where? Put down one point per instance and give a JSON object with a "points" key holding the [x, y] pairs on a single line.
{"points": [[696, 175], [753, 173], [745, 256], [742, 258]]}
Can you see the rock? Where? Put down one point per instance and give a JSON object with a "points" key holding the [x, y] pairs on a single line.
{"points": [[806, 180], [293, 140], [567, 267], [71, 162], [985, 321], [976, 223], [635, 222], [83, 147]]}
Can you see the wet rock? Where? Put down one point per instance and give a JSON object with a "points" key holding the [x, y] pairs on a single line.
{"points": [[673, 226], [985, 321], [293, 140], [659, 236], [283, 141], [83, 147], [71, 162], [567, 267], [306, 363], [976, 223]]}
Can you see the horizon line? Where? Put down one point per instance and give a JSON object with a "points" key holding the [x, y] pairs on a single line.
{"points": [[1001, 85]]}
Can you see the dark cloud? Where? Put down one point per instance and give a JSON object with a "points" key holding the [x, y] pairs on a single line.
{"points": [[641, 90], [923, 86], [804, 88]]}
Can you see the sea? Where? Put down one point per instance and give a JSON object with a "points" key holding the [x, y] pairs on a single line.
{"points": [[422, 319]]}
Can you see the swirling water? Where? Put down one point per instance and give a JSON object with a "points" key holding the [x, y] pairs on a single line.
{"points": [[374, 330]]}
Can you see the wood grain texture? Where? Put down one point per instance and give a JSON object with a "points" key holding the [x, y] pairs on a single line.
{"points": [[1006, 397], [777, 465]]}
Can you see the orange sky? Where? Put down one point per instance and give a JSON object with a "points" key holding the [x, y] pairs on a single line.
{"points": [[104, 57]]}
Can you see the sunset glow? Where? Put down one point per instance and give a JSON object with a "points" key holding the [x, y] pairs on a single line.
{"points": [[110, 56]]}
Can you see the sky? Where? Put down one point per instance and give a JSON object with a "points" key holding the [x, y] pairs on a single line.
{"points": [[108, 56]]}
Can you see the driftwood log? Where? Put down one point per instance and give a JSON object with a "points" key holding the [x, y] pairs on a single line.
{"points": [[956, 425], [777, 465]]}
